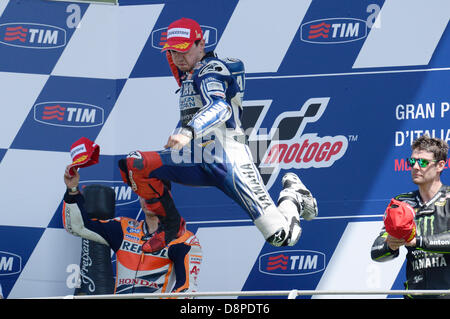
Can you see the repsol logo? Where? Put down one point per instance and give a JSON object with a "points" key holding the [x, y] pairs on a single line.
{"points": [[32, 35], [137, 249], [69, 114], [10, 263], [124, 193], [292, 262], [159, 37]]}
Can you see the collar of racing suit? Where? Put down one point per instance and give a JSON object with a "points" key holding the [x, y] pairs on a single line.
{"points": [[209, 54], [146, 232], [426, 208]]}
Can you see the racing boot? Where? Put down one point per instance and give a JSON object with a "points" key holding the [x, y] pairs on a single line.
{"points": [[155, 243], [290, 208], [279, 238], [283, 238], [296, 192], [161, 238], [135, 170]]}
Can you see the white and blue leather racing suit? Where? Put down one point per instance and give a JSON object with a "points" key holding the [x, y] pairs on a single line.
{"points": [[211, 98]]}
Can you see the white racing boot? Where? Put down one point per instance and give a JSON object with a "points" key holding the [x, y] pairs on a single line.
{"points": [[295, 191], [294, 201], [279, 238]]}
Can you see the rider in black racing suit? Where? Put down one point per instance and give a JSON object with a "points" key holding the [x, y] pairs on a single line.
{"points": [[428, 263]]}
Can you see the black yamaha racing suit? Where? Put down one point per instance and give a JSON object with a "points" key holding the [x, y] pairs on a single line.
{"points": [[428, 263]]}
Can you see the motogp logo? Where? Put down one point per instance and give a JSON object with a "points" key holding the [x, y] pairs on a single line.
{"points": [[288, 147]]}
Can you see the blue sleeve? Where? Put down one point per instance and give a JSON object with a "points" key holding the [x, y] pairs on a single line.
{"points": [[177, 253], [212, 82]]}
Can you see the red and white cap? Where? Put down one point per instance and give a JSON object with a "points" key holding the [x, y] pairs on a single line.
{"points": [[399, 220], [84, 153], [181, 35]]}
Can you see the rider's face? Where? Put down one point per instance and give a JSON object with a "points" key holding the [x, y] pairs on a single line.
{"points": [[186, 61], [428, 174]]}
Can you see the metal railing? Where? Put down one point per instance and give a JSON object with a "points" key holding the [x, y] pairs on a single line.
{"points": [[291, 294]]}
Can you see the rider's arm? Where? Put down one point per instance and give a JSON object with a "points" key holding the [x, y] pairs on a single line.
{"points": [[178, 254], [435, 243], [76, 221], [212, 85], [380, 250]]}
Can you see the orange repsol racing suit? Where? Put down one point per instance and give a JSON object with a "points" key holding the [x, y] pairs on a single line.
{"points": [[174, 268], [428, 263]]}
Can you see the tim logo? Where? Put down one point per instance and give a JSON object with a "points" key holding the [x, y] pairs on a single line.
{"points": [[335, 30], [124, 194], [10, 263], [159, 37], [32, 35], [287, 146], [292, 262], [69, 114]]}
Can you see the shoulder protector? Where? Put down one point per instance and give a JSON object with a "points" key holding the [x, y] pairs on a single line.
{"points": [[214, 67]]}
